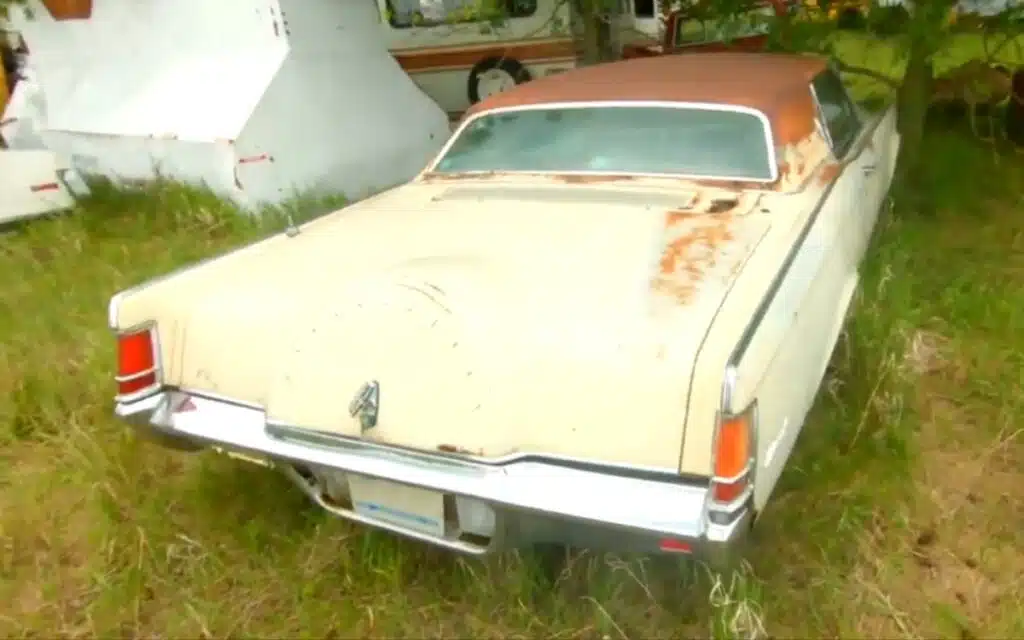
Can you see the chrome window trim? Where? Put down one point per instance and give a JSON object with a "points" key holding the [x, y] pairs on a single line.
{"points": [[773, 164]]}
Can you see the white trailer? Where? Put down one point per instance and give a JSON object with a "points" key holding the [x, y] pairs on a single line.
{"points": [[459, 59], [258, 99]]}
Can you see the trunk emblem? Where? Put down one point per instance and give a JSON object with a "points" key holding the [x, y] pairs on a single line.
{"points": [[366, 404]]}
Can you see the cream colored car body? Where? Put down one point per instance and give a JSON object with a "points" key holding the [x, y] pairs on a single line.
{"points": [[515, 316], [527, 325]]}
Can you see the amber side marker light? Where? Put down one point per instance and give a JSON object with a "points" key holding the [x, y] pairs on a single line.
{"points": [[136, 362], [732, 457]]}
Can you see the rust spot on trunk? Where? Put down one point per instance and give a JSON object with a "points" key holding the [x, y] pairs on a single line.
{"points": [[677, 216], [721, 205], [694, 240], [829, 172], [451, 448]]}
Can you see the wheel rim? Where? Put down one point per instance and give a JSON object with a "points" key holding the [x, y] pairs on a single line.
{"points": [[494, 81]]}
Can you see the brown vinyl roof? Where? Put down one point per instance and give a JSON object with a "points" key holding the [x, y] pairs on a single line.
{"points": [[775, 84]]}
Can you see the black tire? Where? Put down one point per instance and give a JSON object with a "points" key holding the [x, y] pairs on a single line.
{"points": [[511, 66]]}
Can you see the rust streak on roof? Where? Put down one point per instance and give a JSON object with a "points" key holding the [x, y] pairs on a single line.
{"points": [[772, 83]]}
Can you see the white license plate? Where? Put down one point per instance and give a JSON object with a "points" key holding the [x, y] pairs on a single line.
{"points": [[410, 507]]}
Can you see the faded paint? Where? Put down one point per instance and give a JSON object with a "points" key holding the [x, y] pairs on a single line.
{"points": [[564, 312], [546, 335], [772, 83]]}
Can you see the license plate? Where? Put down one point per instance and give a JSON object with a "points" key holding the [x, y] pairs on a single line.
{"points": [[410, 507]]}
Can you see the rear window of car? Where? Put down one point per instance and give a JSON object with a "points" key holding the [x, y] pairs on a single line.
{"points": [[688, 141]]}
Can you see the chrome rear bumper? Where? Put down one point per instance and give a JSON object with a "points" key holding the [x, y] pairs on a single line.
{"points": [[526, 501]]}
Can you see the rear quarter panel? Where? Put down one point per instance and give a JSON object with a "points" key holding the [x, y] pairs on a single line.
{"points": [[789, 214]]}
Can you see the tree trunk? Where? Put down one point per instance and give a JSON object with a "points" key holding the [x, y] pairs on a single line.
{"points": [[595, 32], [1015, 111], [914, 98]]}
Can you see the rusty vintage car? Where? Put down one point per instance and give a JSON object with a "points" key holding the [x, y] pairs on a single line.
{"points": [[598, 317]]}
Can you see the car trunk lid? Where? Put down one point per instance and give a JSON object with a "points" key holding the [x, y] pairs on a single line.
{"points": [[493, 327]]}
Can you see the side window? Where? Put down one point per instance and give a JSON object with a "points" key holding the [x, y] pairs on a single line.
{"points": [[837, 111], [429, 13]]}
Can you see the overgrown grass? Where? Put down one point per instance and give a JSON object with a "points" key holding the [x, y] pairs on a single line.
{"points": [[900, 515]]}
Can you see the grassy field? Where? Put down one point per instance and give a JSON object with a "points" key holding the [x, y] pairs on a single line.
{"points": [[900, 516]]}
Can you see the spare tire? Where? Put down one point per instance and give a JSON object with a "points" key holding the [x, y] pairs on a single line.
{"points": [[490, 70]]}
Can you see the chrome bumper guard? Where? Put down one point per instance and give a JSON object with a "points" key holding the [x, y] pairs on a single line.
{"points": [[532, 501]]}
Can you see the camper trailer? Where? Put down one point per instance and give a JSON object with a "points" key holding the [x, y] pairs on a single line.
{"points": [[259, 100], [458, 59]]}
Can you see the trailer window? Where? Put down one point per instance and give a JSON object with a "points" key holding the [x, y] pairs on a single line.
{"points": [[615, 139], [429, 13]]}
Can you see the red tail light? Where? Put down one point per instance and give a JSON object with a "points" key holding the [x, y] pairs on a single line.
{"points": [[734, 452], [136, 362], [671, 545]]}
